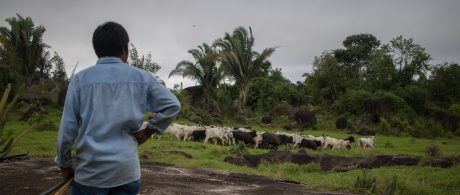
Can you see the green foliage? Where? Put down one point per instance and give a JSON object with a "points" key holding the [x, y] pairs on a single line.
{"points": [[390, 188], [225, 100], [385, 81], [326, 82], [239, 149], [386, 129], [381, 72], [272, 89], [416, 96], [455, 109], [401, 124], [205, 71], [410, 59], [22, 49], [433, 151], [46, 124], [366, 182], [394, 101], [144, 62], [353, 101], [240, 62], [426, 127], [59, 74], [7, 143], [444, 85], [203, 117], [385, 101]]}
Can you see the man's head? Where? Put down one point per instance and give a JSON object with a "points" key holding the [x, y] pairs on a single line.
{"points": [[111, 39]]}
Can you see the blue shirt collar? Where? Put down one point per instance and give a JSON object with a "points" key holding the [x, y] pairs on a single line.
{"points": [[109, 60]]}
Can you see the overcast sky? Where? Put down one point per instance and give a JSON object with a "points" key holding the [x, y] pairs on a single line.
{"points": [[303, 29]]}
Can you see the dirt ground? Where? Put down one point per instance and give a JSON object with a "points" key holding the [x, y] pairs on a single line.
{"points": [[36, 175]]}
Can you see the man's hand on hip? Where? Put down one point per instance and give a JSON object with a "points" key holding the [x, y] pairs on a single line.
{"points": [[142, 136], [67, 172]]}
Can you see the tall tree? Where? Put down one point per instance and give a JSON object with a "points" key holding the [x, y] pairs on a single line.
{"points": [[144, 62], [45, 65], [59, 78], [327, 81], [410, 59], [59, 73], [23, 46], [205, 71], [240, 61], [354, 60], [444, 84], [381, 71]]}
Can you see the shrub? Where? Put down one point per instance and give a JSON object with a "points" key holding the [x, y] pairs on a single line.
{"points": [[454, 109], [400, 124], [352, 101], [433, 151], [386, 129], [383, 103], [201, 117], [416, 96], [427, 127]]}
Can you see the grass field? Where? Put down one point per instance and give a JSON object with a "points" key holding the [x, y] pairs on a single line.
{"points": [[419, 179]]}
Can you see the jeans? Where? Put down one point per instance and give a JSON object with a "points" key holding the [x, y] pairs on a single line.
{"points": [[127, 189]]}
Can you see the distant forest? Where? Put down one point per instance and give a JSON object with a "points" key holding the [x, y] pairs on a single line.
{"points": [[391, 87]]}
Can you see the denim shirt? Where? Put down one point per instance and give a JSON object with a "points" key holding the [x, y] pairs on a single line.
{"points": [[108, 102]]}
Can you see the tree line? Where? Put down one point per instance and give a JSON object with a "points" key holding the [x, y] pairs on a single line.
{"points": [[392, 84]]}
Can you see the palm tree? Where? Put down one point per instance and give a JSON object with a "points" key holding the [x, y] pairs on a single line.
{"points": [[240, 62], [23, 46], [205, 70]]}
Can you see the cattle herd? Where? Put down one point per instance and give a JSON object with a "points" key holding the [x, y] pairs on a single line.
{"points": [[266, 140]]}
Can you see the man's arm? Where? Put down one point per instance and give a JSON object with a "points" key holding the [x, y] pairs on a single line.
{"points": [[68, 130], [165, 107]]}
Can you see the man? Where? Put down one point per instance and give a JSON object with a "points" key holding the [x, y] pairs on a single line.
{"points": [[109, 101]]}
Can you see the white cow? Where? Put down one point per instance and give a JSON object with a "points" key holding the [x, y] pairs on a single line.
{"points": [[216, 133], [366, 143]]}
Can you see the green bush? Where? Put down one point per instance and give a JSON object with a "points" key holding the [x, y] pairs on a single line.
{"points": [[385, 127], [201, 117], [454, 109], [416, 96], [427, 128], [395, 103], [400, 124], [352, 101], [433, 151]]}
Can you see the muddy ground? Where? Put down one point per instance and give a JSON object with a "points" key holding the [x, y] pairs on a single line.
{"points": [[36, 175]]}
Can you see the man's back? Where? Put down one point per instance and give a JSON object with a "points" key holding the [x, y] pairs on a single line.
{"points": [[110, 100]]}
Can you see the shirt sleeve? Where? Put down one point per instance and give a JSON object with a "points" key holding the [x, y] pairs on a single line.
{"points": [[163, 104], [68, 130]]}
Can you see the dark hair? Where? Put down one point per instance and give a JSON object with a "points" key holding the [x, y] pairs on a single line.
{"points": [[110, 39]]}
